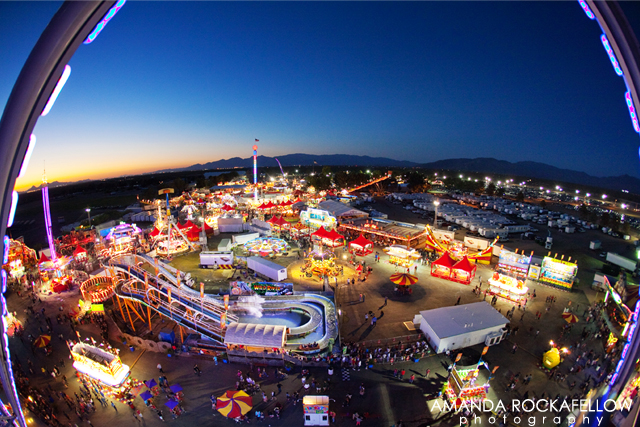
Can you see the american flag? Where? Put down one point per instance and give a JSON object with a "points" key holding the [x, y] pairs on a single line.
{"points": [[257, 140]]}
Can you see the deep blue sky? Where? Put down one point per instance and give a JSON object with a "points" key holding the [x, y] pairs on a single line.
{"points": [[175, 83]]}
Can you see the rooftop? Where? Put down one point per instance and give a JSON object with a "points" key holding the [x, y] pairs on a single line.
{"points": [[462, 319]]}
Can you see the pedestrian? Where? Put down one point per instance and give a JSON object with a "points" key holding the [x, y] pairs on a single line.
{"points": [[402, 374], [160, 368], [361, 298], [196, 370], [279, 388], [366, 317], [385, 302], [114, 406], [215, 359], [458, 302], [426, 374], [139, 414], [412, 378]]}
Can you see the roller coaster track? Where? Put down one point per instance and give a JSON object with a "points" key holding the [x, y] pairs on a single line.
{"points": [[375, 181], [181, 304], [161, 293]]}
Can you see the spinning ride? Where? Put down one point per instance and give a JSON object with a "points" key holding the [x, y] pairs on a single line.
{"points": [[321, 264], [123, 239], [266, 246]]}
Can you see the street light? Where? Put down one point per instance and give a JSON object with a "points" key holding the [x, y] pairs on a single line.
{"points": [[436, 203], [89, 215]]}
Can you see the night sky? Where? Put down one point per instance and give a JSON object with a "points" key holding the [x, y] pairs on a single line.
{"points": [[171, 84]]}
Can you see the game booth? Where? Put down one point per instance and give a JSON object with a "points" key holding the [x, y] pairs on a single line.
{"points": [[401, 255], [19, 257], [361, 246], [442, 266], [514, 264], [463, 271], [558, 272], [508, 287], [327, 238]]}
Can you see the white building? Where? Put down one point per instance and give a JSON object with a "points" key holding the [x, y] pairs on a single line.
{"points": [[460, 326]]}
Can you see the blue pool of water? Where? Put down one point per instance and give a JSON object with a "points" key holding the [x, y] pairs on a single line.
{"points": [[290, 320]]}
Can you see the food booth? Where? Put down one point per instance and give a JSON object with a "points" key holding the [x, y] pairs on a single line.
{"points": [[401, 255], [316, 410]]}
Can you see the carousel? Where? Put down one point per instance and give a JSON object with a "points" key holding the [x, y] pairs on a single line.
{"points": [[321, 264], [467, 385], [265, 246]]}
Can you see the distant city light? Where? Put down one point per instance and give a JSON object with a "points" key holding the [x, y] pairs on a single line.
{"points": [[632, 111], [577, 191], [460, 176], [612, 56], [586, 9], [56, 91], [542, 188], [604, 196], [548, 191], [588, 194], [98, 28], [623, 206], [469, 179], [27, 155], [576, 198]]}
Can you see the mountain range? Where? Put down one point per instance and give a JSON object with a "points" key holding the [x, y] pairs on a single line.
{"points": [[478, 165]]}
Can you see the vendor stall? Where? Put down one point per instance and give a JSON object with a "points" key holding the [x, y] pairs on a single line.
{"points": [[463, 271], [442, 266], [507, 287], [361, 246], [558, 273]]}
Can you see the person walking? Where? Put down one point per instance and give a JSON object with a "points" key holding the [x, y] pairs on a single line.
{"points": [[458, 302], [412, 378], [196, 369], [385, 302], [114, 406], [426, 374], [160, 368]]}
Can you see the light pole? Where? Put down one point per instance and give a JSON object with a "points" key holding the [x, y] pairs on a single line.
{"points": [[436, 203], [89, 216]]}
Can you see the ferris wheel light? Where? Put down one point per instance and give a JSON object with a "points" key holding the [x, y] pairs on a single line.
{"points": [[27, 155], [612, 56], [104, 21], [632, 111], [56, 91], [586, 9]]}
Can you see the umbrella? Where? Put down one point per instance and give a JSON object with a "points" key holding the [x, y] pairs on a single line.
{"points": [[171, 403], [570, 317], [176, 388], [42, 341], [403, 279], [146, 395], [234, 404], [151, 383]]}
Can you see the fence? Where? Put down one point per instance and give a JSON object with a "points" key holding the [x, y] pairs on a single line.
{"points": [[404, 340]]}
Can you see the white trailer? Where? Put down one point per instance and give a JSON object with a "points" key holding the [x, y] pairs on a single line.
{"points": [[215, 259], [230, 225], [267, 268], [516, 228], [476, 243], [569, 229], [241, 239], [594, 244], [619, 260]]}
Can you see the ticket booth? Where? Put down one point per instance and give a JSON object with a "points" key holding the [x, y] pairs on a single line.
{"points": [[316, 410]]}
